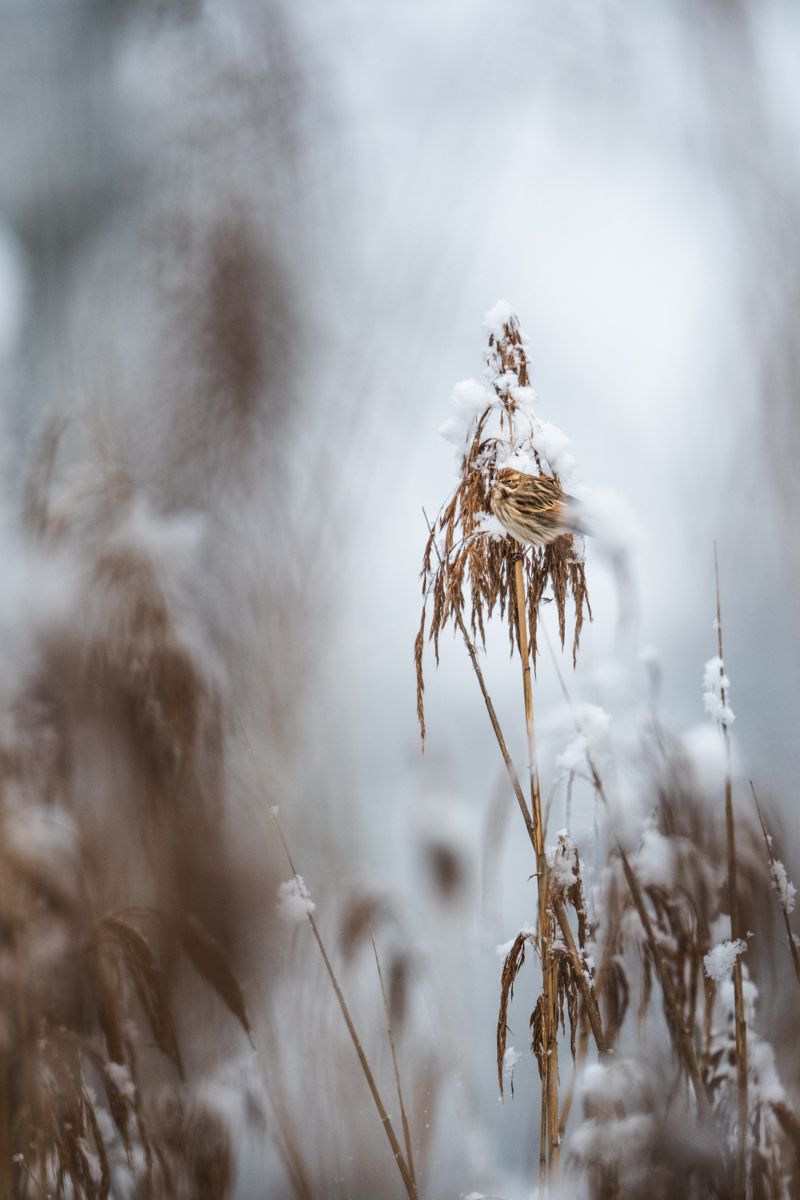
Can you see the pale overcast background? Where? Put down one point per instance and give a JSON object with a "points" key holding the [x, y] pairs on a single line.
{"points": [[625, 175]]}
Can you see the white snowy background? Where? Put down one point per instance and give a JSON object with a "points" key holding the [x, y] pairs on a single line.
{"points": [[626, 177]]}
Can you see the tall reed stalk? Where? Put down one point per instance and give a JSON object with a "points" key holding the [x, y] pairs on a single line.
{"points": [[405, 1164], [740, 1018], [479, 569], [549, 1142]]}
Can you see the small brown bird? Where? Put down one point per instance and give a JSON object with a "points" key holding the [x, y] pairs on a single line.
{"points": [[533, 508]]}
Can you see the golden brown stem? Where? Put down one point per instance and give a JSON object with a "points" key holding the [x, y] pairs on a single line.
{"points": [[586, 990], [550, 1074], [795, 953], [587, 993], [527, 689], [736, 931], [498, 733], [535, 831]]}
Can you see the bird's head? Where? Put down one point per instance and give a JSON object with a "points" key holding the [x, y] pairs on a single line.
{"points": [[505, 484]]}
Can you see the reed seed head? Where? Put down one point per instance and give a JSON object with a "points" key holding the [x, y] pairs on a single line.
{"points": [[508, 504]]}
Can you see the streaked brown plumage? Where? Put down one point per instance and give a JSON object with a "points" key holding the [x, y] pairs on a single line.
{"points": [[532, 508]]}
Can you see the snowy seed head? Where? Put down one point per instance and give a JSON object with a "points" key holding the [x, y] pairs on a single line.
{"points": [[508, 505]]}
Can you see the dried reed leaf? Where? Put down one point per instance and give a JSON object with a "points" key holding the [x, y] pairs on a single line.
{"points": [[145, 973], [538, 1035], [512, 966], [468, 572], [362, 913], [397, 988], [108, 1001], [210, 961]]}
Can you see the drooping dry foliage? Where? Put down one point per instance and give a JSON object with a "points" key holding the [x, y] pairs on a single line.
{"points": [[686, 1097], [113, 912], [468, 566]]}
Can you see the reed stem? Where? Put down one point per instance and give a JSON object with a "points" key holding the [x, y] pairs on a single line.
{"points": [[408, 1181], [550, 1126], [740, 1018], [793, 950]]}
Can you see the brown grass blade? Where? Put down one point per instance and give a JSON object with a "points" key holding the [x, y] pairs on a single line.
{"points": [[209, 960], [512, 965], [145, 973]]}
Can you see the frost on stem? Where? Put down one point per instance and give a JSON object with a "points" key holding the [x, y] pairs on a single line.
{"points": [[719, 961], [294, 900], [468, 563], [716, 689], [783, 886]]}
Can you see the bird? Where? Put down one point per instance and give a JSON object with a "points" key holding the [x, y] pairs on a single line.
{"points": [[533, 508]]}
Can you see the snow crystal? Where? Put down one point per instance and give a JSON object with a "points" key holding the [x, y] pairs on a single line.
{"points": [[706, 752], [782, 885], [510, 1060], [655, 859], [720, 959], [490, 525], [294, 900], [120, 1077], [592, 738], [728, 998], [468, 402], [562, 858], [504, 949], [763, 1072], [517, 459], [554, 445], [716, 689], [498, 315]]}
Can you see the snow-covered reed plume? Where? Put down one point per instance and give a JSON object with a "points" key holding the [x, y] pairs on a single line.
{"points": [[636, 942]]}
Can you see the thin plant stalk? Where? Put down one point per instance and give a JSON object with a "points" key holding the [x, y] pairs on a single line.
{"points": [[535, 832], [386, 1120], [736, 930], [396, 1069], [487, 699], [587, 992], [549, 1129], [795, 953], [527, 689]]}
